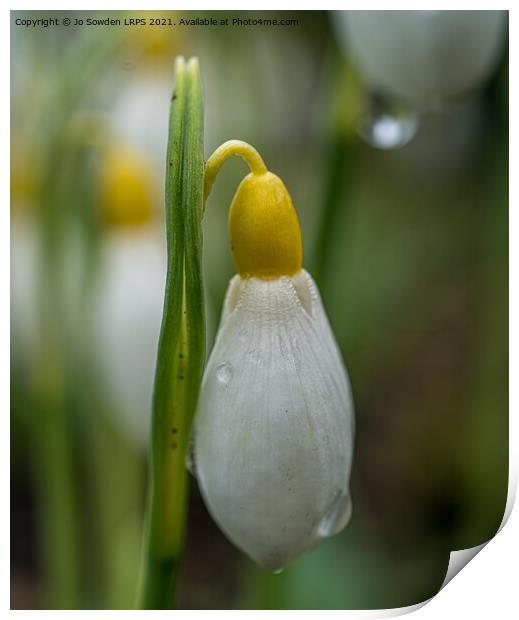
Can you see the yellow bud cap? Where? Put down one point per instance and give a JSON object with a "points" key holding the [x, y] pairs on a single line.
{"points": [[263, 223], [264, 229]]}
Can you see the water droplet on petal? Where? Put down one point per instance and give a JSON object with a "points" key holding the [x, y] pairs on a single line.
{"points": [[224, 372], [336, 516], [388, 124]]}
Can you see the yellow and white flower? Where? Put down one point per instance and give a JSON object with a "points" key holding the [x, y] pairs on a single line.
{"points": [[129, 285], [273, 431]]}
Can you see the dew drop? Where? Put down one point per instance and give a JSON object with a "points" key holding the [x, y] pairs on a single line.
{"points": [[336, 516], [224, 372], [278, 571], [387, 124]]}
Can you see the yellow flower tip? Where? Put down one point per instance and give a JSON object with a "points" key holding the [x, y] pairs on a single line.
{"points": [[127, 188], [263, 224]]}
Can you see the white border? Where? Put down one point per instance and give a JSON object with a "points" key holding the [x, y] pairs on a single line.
{"points": [[487, 585]]}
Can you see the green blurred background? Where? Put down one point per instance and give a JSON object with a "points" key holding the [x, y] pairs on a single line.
{"points": [[408, 246]]}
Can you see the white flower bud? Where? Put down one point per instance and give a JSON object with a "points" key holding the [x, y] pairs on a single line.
{"points": [[273, 432]]}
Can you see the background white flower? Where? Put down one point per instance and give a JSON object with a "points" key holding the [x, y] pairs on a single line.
{"points": [[424, 57]]}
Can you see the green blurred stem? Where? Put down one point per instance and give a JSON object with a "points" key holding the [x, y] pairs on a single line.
{"points": [[181, 346], [53, 450], [341, 158], [59, 533]]}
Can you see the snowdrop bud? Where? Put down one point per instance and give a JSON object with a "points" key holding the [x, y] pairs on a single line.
{"points": [[424, 57], [273, 431]]}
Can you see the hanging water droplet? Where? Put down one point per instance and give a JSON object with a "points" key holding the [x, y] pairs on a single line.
{"points": [[278, 571], [336, 516], [190, 457], [387, 124], [224, 372]]}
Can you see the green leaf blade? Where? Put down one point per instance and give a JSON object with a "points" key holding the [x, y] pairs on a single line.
{"points": [[180, 356]]}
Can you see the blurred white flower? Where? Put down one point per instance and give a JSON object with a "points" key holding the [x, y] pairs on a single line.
{"points": [[130, 285], [140, 114], [129, 301], [423, 57]]}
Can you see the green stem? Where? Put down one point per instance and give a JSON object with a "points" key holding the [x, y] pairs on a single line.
{"points": [[181, 346], [53, 445], [342, 153], [57, 502], [341, 164], [116, 466]]}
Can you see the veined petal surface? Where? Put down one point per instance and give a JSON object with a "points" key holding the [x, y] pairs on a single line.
{"points": [[274, 426]]}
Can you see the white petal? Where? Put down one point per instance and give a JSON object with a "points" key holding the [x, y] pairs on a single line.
{"points": [[274, 425], [424, 56]]}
